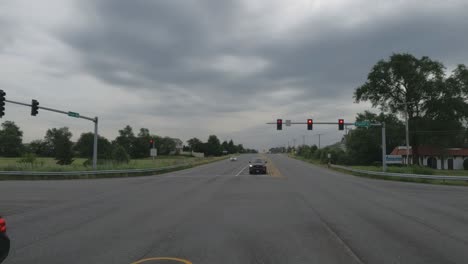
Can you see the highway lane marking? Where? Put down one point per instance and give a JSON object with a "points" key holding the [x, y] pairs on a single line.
{"points": [[273, 171], [163, 258], [242, 170]]}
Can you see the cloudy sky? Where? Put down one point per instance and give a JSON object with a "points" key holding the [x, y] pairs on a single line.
{"points": [[186, 68]]}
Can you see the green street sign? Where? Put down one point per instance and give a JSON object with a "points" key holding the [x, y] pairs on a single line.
{"points": [[73, 114], [362, 124]]}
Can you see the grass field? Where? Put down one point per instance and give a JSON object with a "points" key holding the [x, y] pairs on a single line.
{"points": [[414, 170], [411, 169], [49, 164]]}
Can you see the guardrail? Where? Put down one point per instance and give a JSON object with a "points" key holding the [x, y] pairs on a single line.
{"points": [[403, 175], [91, 172]]}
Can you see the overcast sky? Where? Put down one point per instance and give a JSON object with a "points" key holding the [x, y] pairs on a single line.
{"points": [[194, 68]]}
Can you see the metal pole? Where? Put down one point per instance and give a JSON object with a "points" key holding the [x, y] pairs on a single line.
{"points": [[95, 143], [407, 134], [319, 140], [384, 149], [153, 147], [303, 140]]}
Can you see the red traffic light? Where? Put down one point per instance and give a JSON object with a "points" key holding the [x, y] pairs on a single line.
{"points": [[340, 124], [279, 124], [309, 124]]}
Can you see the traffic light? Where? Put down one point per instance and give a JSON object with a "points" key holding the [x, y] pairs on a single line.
{"points": [[151, 143], [2, 103], [34, 107], [310, 123], [279, 124], [340, 124]]}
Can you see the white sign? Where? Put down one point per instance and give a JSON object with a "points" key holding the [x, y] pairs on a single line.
{"points": [[329, 155], [394, 159], [154, 152], [288, 122]]}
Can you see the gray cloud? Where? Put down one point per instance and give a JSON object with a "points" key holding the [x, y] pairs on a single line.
{"points": [[212, 60]]}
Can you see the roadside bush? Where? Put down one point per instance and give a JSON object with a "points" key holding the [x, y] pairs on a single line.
{"points": [[29, 159], [421, 170], [119, 155]]}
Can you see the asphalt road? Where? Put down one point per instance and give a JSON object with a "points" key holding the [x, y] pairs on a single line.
{"points": [[219, 214]]}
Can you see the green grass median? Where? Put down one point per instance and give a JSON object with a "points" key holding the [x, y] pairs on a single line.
{"points": [[172, 163]]}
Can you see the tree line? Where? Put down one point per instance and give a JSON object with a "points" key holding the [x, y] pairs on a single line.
{"points": [[127, 145], [214, 147]]}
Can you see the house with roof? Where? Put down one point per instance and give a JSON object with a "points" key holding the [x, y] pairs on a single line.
{"points": [[436, 158], [179, 145]]}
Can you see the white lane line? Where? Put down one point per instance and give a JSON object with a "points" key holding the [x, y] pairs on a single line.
{"points": [[242, 170]]}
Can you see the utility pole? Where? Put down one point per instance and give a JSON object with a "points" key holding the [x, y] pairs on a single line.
{"points": [[319, 139], [384, 149], [407, 133], [95, 146]]}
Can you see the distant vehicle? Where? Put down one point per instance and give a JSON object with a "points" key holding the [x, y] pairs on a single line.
{"points": [[233, 159], [4, 240], [258, 166]]}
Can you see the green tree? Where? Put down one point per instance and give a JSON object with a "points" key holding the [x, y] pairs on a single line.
{"points": [[240, 148], [364, 145], [165, 145], [231, 148], [60, 140], [195, 144], [141, 144], [126, 139], [402, 80], [119, 155], [40, 148], [419, 87], [213, 146], [225, 146], [11, 140], [84, 146]]}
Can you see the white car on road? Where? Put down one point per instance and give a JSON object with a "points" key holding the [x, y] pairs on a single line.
{"points": [[233, 159]]}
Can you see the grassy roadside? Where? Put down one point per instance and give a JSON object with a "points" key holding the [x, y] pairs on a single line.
{"points": [[49, 164], [414, 170], [375, 168], [160, 170]]}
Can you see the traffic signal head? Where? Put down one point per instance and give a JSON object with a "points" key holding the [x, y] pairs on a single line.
{"points": [[34, 107], [2, 103], [340, 124], [279, 124], [310, 123]]}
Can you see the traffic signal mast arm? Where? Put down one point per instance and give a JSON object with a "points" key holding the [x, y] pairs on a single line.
{"points": [[315, 123], [326, 123], [34, 111], [52, 110]]}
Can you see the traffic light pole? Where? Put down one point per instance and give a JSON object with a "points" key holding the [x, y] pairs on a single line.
{"points": [[382, 125], [72, 114]]}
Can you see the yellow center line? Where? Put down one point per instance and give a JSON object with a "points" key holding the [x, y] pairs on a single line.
{"points": [[164, 258], [273, 171]]}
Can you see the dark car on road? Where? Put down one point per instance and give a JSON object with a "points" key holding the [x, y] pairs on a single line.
{"points": [[258, 166], [4, 240]]}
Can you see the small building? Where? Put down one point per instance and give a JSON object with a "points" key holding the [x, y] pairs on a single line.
{"points": [[436, 158], [179, 146]]}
